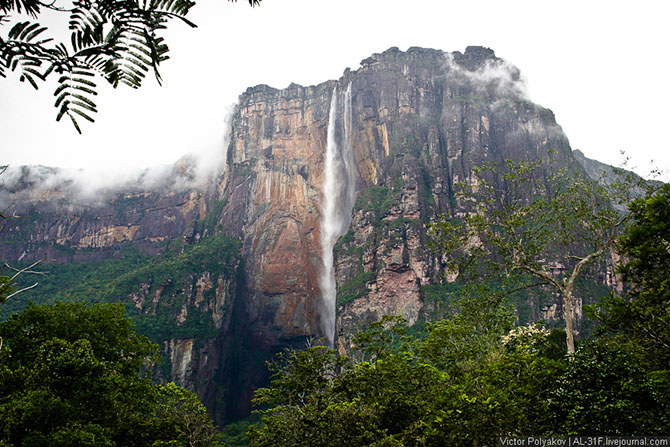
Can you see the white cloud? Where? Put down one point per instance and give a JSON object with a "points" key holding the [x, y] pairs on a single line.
{"points": [[94, 186], [495, 75]]}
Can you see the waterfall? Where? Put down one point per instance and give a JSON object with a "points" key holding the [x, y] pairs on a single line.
{"points": [[339, 190]]}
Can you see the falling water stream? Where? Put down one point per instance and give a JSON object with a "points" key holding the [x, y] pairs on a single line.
{"points": [[338, 201]]}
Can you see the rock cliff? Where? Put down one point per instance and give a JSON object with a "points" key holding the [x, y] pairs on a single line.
{"points": [[415, 124]]}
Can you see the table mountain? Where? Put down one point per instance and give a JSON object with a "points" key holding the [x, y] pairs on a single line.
{"points": [[226, 269]]}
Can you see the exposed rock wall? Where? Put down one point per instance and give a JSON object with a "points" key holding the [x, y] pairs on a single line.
{"points": [[59, 231], [273, 200]]}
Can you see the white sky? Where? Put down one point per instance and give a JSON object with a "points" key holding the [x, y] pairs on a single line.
{"points": [[601, 66]]}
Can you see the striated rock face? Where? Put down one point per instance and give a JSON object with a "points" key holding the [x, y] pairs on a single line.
{"points": [[60, 223], [273, 204], [420, 121]]}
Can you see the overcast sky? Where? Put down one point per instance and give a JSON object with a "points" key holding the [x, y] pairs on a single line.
{"points": [[601, 66]]}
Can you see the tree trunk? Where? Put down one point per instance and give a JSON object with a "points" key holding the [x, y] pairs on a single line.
{"points": [[567, 312]]}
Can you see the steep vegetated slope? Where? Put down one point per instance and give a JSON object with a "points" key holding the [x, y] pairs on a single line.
{"points": [[224, 272]]}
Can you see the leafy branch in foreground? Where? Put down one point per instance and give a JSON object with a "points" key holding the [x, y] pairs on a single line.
{"points": [[644, 316], [117, 39]]}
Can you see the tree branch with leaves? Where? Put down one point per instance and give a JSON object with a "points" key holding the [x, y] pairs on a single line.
{"points": [[531, 217], [116, 39]]}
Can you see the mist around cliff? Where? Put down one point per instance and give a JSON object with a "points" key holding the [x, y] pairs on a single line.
{"points": [[197, 169], [495, 76], [502, 84]]}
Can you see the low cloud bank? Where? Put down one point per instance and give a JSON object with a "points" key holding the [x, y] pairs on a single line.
{"points": [[494, 76], [21, 185]]}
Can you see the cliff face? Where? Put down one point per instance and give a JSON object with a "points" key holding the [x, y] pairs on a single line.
{"points": [[273, 200], [63, 222], [415, 123], [420, 121], [425, 120]]}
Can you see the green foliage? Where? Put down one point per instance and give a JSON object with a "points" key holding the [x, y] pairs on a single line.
{"points": [[606, 390], [5, 288], [528, 217], [433, 293], [466, 381], [208, 224], [86, 281], [502, 397], [353, 288], [381, 338], [299, 376], [77, 375], [175, 272], [519, 291], [113, 280], [630, 366], [645, 316], [647, 240], [460, 385], [526, 214], [377, 199], [214, 254], [235, 434], [619, 383], [182, 418], [365, 403], [460, 343]]}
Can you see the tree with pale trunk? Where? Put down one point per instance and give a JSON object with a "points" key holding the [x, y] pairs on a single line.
{"points": [[530, 218]]}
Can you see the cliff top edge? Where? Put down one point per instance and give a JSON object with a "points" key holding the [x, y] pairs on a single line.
{"points": [[472, 58]]}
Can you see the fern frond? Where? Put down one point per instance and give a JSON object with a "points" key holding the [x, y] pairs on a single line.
{"points": [[27, 32], [73, 94], [86, 23], [116, 38], [30, 7], [24, 51], [133, 56], [74, 122], [171, 9]]}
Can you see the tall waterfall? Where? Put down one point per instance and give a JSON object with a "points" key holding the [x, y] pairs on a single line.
{"points": [[339, 191]]}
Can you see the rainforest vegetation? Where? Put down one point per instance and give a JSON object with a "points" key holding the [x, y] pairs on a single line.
{"points": [[77, 374], [71, 375]]}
